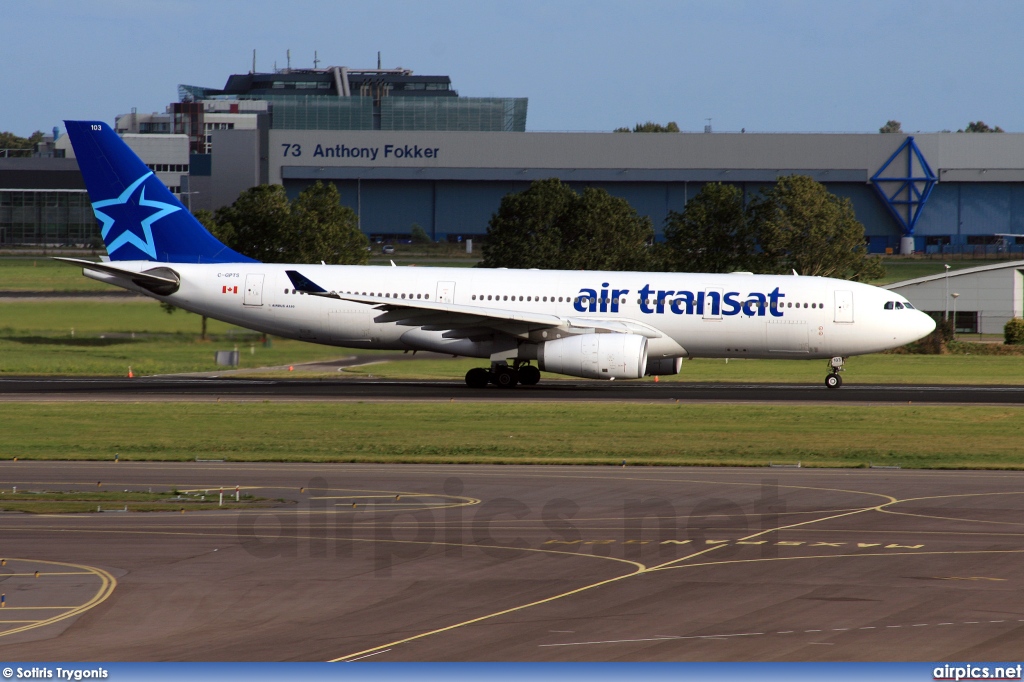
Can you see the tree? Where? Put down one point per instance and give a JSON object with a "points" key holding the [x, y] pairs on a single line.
{"points": [[980, 127], [602, 232], [891, 126], [419, 235], [712, 234], [651, 127], [550, 226], [1013, 331], [315, 227], [12, 141], [801, 226], [257, 224], [324, 230]]}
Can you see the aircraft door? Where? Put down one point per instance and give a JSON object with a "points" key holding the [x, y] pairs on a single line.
{"points": [[253, 290], [844, 306], [445, 292]]}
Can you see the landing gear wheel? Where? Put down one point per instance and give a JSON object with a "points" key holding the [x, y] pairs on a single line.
{"points": [[529, 375], [478, 377], [505, 377], [833, 381]]}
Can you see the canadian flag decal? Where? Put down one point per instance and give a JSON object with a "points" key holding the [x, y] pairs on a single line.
{"points": [[229, 290]]}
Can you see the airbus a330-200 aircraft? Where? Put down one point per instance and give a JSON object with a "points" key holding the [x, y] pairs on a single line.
{"points": [[591, 324]]}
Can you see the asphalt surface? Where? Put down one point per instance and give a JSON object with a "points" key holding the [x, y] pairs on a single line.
{"points": [[379, 562], [212, 388]]}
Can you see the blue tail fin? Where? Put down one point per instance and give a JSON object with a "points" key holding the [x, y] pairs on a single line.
{"points": [[141, 219]]}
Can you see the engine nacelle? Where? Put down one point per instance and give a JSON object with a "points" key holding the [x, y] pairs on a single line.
{"points": [[662, 366], [595, 356]]}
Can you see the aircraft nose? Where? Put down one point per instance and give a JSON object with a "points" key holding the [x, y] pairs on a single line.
{"points": [[923, 325]]}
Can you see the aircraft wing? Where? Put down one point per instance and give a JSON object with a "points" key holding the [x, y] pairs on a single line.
{"points": [[465, 320]]}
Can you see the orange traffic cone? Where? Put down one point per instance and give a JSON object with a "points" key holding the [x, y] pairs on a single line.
{"points": [[131, 375], [655, 378], [291, 368]]}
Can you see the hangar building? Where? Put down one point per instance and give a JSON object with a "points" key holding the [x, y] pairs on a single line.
{"points": [[451, 182], [406, 149], [979, 300]]}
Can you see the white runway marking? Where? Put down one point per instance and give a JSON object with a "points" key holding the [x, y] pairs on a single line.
{"points": [[720, 636]]}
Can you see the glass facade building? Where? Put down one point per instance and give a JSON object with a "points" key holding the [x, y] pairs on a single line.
{"points": [[50, 217], [338, 98]]}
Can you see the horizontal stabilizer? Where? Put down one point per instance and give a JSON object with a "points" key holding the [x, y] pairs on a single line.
{"points": [[162, 280]]}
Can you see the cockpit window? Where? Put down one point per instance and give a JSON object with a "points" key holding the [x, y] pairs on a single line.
{"points": [[899, 306], [889, 305], [908, 306]]}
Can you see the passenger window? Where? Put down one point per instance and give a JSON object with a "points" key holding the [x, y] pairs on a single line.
{"points": [[889, 305], [805, 305]]}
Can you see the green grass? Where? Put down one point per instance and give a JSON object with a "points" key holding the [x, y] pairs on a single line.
{"points": [[45, 274], [36, 338], [501, 433], [81, 501], [900, 269], [108, 337]]}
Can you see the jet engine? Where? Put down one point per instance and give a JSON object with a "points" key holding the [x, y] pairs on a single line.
{"points": [[656, 366], [595, 356]]}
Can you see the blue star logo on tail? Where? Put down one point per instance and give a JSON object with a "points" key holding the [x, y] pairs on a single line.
{"points": [[126, 215]]}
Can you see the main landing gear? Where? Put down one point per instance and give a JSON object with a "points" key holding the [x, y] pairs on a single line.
{"points": [[835, 366], [500, 374]]}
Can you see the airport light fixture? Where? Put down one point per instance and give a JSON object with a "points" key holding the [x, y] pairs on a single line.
{"points": [[955, 296], [945, 314]]}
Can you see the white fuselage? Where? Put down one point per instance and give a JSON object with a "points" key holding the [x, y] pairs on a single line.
{"points": [[688, 315]]}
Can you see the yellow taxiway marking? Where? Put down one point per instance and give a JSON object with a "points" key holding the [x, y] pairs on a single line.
{"points": [[107, 585], [42, 573], [641, 570], [953, 518]]}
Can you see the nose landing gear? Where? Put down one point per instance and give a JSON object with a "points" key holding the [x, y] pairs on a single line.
{"points": [[835, 366]]}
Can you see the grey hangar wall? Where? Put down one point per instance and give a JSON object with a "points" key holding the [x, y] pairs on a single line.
{"points": [[450, 183]]}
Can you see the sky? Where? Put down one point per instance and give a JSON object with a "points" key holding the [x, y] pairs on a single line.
{"points": [[594, 65]]}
